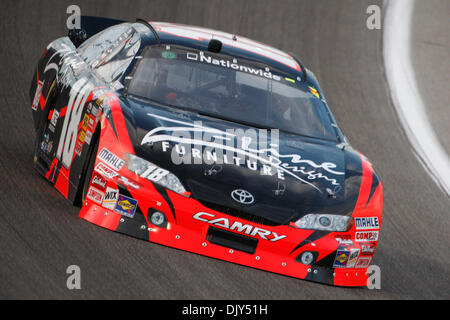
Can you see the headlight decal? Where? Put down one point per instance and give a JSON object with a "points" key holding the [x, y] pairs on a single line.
{"points": [[326, 222], [150, 171]]}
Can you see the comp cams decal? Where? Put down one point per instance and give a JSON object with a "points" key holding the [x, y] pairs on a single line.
{"points": [[105, 171], [363, 236]]}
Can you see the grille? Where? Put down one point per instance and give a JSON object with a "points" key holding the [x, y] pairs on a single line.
{"points": [[239, 214], [232, 240]]}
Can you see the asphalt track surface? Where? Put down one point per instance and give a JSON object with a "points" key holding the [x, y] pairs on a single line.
{"points": [[430, 52], [41, 235]]}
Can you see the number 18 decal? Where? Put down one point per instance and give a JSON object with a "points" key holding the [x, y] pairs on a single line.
{"points": [[77, 99]]}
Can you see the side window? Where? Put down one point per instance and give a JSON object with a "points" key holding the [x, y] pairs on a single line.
{"points": [[110, 52], [95, 46]]}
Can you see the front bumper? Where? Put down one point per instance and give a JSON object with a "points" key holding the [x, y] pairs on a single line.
{"points": [[339, 257]]}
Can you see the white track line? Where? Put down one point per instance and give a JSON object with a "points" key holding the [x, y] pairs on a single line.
{"points": [[405, 94]]}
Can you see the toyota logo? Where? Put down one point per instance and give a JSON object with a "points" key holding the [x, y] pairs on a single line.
{"points": [[242, 196]]}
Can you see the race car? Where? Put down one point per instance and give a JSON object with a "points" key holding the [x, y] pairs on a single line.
{"points": [[207, 142]]}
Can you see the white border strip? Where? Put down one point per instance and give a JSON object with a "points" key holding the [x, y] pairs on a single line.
{"points": [[405, 94]]}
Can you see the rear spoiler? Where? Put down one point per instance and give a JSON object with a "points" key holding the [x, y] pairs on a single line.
{"points": [[89, 26]]}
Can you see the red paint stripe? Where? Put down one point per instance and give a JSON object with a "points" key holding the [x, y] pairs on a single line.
{"points": [[366, 184], [110, 221], [42, 102], [62, 183], [44, 53], [47, 175], [62, 112], [119, 123]]}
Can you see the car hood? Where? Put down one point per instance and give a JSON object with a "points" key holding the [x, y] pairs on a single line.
{"points": [[233, 168]]}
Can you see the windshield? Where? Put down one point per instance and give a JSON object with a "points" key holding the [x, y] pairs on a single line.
{"points": [[226, 88]]}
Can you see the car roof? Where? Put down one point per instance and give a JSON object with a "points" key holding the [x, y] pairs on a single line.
{"points": [[233, 45]]}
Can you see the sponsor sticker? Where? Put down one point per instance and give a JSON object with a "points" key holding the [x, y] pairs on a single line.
{"points": [[364, 236], [345, 241], [45, 142], [82, 136], [368, 248], [110, 199], [49, 147], [37, 95], [168, 55], [85, 124], [110, 159], [354, 254], [96, 111], [53, 120], [95, 195], [88, 137], [126, 206], [128, 183], [79, 148], [341, 259], [91, 124], [364, 223], [99, 181], [202, 57], [105, 171], [363, 262], [89, 107], [314, 92]]}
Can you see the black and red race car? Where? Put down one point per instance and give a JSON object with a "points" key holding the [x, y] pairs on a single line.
{"points": [[207, 142]]}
